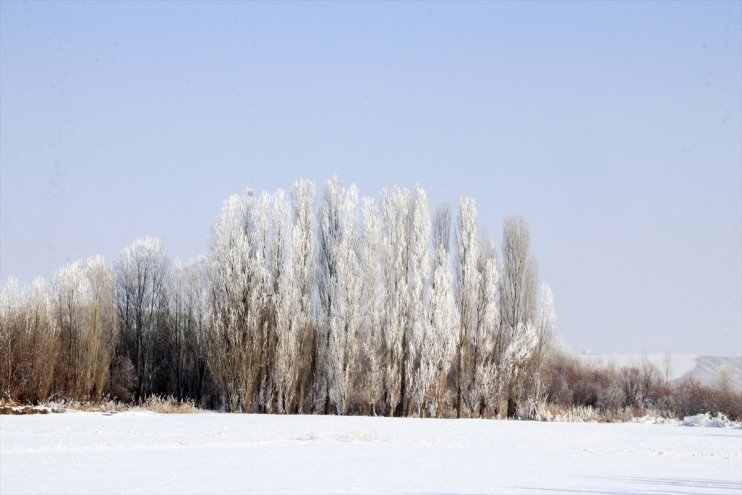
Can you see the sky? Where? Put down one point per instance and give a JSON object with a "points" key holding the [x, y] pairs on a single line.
{"points": [[613, 129]]}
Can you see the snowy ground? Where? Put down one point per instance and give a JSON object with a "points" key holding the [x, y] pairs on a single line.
{"points": [[217, 453]]}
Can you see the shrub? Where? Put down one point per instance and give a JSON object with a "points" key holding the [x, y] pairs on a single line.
{"points": [[169, 405]]}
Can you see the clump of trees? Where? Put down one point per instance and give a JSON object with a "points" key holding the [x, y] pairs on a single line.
{"points": [[636, 389], [341, 304], [331, 304]]}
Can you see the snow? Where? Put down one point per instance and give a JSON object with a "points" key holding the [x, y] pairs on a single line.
{"points": [[140, 452], [706, 419]]}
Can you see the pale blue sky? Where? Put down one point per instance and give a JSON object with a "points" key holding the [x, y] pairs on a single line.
{"points": [[613, 128]]}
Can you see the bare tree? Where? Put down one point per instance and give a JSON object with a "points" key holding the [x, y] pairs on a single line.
{"points": [[630, 384], [85, 310], [28, 341], [724, 379], [103, 324], [72, 294], [187, 354], [649, 379], [141, 294], [667, 367]]}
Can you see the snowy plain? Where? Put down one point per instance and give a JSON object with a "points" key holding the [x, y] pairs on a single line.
{"points": [[141, 452]]}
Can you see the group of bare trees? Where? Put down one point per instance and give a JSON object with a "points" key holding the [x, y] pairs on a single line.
{"points": [[331, 305], [581, 383], [59, 339]]}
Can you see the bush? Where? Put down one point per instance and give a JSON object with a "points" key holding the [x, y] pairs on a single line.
{"points": [[169, 405], [729, 403]]}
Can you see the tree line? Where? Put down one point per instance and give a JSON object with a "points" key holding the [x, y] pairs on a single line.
{"points": [[331, 305]]}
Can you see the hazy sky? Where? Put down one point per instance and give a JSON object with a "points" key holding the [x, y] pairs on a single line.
{"points": [[614, 129]]}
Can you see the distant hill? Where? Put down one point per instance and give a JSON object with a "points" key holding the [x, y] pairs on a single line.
{"points": [[702, 368]]}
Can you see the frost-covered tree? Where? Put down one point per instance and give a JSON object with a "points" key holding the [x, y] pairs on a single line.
{"points": [[516, 361], [285, 306], [10, 329], [264, 334], [485, 380], [338, 284], [395, 204], [517, 299], [518, 281], [439, 344], [418, 272], [441, 229], [259, 340], [467, 291], [231, 275], [303, 264], [372, 300], [546, 330], [141, 295], [238, 279]]}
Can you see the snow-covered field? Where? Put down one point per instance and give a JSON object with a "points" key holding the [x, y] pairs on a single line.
{"points": [[141, 452]]}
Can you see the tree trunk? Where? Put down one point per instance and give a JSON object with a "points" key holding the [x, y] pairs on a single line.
{"points": [[459, 378]]}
